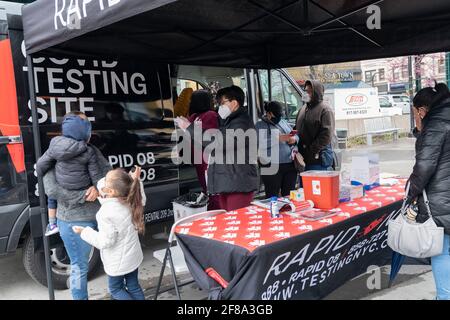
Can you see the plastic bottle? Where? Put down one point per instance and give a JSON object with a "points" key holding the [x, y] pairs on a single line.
{"points": [[274, 213]]}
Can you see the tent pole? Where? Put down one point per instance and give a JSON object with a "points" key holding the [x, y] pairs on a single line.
{"points": [[269, 83], [37, 152]]}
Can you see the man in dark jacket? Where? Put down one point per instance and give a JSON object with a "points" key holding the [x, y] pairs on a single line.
{"points": [[234, 180], [315, 128]]}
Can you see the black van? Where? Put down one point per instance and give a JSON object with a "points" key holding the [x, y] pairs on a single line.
{"points": [[131, 107]]}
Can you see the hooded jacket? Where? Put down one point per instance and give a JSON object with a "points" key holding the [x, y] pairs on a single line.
{"points": [[72, 204], [316, 126], [76, 163], [432, 168]]}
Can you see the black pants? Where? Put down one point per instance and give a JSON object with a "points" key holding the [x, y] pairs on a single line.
{"points": [[283, 180]]}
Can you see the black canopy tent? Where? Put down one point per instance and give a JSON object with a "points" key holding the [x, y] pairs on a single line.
{"points": [[239, 33], [261, 34]]}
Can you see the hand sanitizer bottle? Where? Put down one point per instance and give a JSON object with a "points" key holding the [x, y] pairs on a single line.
{"points": [[274, 213]]}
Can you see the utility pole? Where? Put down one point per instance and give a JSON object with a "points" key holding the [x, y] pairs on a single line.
{"points": [[417, 70]]}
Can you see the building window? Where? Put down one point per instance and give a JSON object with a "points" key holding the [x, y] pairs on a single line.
{"points": [[369, 74], [441, 65], [381, 75], [405, 72], [396, 74]]}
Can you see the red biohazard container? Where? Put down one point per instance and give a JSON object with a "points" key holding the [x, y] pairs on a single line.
{"points": [[322, 188]]}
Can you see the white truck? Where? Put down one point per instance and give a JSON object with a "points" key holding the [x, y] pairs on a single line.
{"points": [[354, 103]]}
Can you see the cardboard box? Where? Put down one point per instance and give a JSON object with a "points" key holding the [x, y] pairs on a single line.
{"points": [[356, 192], [365, 169], [297, 195]]}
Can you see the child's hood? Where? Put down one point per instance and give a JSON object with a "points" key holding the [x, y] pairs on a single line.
{"points": [[63, 148], [76, 128]]}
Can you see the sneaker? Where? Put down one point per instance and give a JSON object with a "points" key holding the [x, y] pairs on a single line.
{"points": [[51, 229]]}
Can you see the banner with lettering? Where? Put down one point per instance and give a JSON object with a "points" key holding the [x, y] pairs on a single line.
{"points": [[304, 266]]}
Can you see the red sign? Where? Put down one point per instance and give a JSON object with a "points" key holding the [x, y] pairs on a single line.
{"points": [[356, 99]]}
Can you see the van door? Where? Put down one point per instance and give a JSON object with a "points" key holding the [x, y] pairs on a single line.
{"points": [[186, 80], [13, 187]]}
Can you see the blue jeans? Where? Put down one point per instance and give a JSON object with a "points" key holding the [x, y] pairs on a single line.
{"points": [[126, 287], [78, 251], [52, 203], [441, 271]]}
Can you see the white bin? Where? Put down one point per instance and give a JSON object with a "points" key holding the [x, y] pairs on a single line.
{"points": [[185, 210]]}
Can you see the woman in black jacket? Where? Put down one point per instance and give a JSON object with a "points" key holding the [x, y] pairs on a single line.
{"points": [[432, 172]]}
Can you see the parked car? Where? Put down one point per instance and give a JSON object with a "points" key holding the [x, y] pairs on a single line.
{"points": [[387, 109], [399, 100]]}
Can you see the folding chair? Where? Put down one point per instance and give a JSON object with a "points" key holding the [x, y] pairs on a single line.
{"points": [[168, 254]]}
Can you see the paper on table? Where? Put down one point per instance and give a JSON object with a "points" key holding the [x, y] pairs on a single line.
{"points": [[386, 175]]}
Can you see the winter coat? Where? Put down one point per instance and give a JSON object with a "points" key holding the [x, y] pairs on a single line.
{"points": [[316, 128], [265, 129], [117, 237], [209, 120], [432, 168], [230, 177], [75, 162], [72, 204]]}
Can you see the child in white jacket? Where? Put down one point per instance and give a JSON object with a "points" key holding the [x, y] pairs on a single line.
{"points": [[119, 219]]}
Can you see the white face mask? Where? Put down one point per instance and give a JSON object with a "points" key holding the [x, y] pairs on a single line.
{"points": [[224, 111], [306, 98]]}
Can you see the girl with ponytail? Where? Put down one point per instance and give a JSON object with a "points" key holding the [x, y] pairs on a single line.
{"points": [[120, 220]]}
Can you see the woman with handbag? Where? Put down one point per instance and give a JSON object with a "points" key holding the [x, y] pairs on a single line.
{"points": [[431, 173], [285, 178]]}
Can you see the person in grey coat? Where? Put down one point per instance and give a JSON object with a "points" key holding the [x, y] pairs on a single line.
{"points": [[74, 160], [283, 180], [75, 207]]}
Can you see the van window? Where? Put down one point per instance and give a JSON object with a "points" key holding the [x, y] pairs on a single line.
{"points": [[12, 184], [183, 84], [293, 99], [397, 99], [276, 83], [191, 78], [384, 103], [282, 91], [405, 98]]}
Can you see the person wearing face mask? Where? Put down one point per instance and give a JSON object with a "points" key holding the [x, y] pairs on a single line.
{"points": [[201, 109], [431, 107], [272, 123], [316, 128], [233, 182]]}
